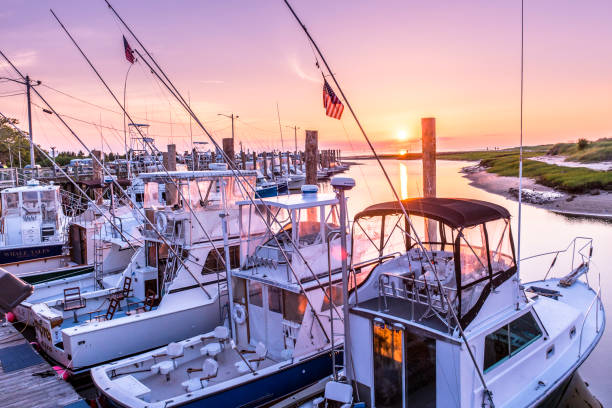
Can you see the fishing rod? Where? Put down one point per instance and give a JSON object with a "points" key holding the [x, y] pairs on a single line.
{"points": [[231, 165], [104, 169], [487, 392], [151, 145], [74, 183]]}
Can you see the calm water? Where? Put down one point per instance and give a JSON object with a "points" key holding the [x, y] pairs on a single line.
{"points": [[542, 232]]}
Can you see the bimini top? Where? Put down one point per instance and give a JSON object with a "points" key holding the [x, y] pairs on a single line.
{"points": [[454, 212]]}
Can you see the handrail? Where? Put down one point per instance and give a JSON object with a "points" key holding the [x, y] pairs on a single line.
{"points": [[574, 251], [436, 302], [596, 299]]}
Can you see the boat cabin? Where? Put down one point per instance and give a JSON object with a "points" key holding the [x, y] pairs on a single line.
{"points": [[283, 283], [31, 215], [406, 315]]}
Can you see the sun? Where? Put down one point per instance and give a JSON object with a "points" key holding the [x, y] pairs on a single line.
{"points": [[402, 135], [402, 152]]}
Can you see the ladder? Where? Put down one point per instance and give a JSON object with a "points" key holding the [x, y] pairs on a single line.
{"points": [[98, 255]]}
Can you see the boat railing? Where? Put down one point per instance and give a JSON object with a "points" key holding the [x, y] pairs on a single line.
{"points": [[432, 295], [580, 250], [597, 304], [272, 257]]}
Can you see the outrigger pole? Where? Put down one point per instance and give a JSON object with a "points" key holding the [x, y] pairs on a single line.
{"points": [[231, 165], [151, 145], [105, 170], [74, 183], [487, 393]]}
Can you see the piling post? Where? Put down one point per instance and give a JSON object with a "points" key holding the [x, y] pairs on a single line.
{"points": [[243, 159], [169, 162], [254, 160], [428, 133], [265, 163], [310, 154], [272, 163], [97, 176], [228, 149]]}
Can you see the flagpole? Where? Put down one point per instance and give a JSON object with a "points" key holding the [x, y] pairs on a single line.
{"points": [[124, 123]]}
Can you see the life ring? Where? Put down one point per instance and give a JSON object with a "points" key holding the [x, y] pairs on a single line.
{"points": [[239, 314], [161, 221]]}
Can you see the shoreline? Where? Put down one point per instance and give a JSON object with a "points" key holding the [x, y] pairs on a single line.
{"points": [[571, 205]]}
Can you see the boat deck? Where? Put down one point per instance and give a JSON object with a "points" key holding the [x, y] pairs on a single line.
{"points": [[156, 386], [24, 388]]}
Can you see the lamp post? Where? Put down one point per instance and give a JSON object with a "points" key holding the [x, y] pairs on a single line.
{"points": [[28, 84]]}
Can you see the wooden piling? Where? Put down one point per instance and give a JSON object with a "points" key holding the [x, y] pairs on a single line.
{"points": [[97, 176], [428, 133], [265, 163], [254, 160], [243, 159], [169, 162], [311, 149], [228, 149]]}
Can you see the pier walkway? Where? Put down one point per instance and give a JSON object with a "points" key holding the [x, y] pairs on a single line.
{"points": [[28, 379]]}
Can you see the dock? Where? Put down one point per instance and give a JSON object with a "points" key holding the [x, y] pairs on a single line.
{"points": [[30, 381]]}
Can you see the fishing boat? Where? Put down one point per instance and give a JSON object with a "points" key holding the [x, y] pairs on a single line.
{"points": [[43, 245], [33, 224], [446, 322], [265, 188], [286, 319], [173, 287], [100, 247]]}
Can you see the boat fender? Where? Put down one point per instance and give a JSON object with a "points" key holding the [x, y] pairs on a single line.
{"points": [[161, 221], [239, 314]]}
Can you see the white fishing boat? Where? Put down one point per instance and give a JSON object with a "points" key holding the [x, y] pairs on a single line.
{"points": [[41, 244], [284, 325], [32, 226], [173, 287], [446, 322], [98, 253]]}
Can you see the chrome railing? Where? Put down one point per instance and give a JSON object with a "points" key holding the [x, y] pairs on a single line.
{"points": [[580, 249], [598, 305], [432, 295]]}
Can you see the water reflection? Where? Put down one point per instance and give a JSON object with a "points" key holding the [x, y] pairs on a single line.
{"points": [[542, 230]]}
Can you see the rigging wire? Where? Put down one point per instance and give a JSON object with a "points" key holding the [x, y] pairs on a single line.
{"points": [[520, 187], [486, 392]]}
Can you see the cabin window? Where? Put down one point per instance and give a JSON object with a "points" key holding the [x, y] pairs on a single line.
{"points": [[336, 297], [509, 340], [215, 264], [151, 250], [255, 294], [239, 290], [500, 245], [30, 200], [151, 195], [294, 306], [11, 202], [274, 299]]}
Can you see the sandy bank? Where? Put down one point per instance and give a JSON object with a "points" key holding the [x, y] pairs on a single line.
{"points": [[599, 206]]}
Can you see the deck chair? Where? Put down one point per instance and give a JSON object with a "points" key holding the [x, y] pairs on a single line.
{"points": [[209, 369], [337, 392], [73, 301], [146, 305], [124, 293], [173, 351], [113, 305]]}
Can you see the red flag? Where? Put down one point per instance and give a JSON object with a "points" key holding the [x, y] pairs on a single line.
{"points": [[129, 54], [332, 104]]}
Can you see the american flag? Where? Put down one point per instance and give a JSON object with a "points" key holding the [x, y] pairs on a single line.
{"points": [[331, 103], [129, 54]]}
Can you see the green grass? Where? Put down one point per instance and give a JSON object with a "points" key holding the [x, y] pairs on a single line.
{"points": [[569, 179], [591, 152]]}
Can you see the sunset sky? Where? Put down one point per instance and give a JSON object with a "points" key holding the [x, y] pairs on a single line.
{"points": [[397, 61]]}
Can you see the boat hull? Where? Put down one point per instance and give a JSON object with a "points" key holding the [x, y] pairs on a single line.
{"points": [[263, 389], [19, 254]]}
